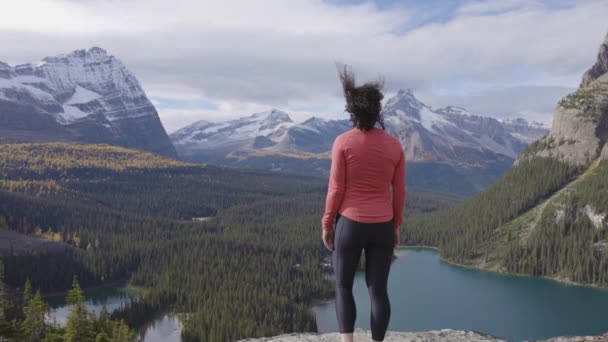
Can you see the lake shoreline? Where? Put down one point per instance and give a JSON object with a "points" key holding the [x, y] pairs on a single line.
{"points": [[563, 281], [485, 269]]}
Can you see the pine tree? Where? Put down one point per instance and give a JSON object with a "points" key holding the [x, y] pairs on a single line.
{"points": [[102, 337], [104, 324], [27, 293], [34, 326], [75, 294], [78, 327], [4, 325], [122, 333]]}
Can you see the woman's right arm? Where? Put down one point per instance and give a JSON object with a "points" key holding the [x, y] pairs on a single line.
{"points": [[398, 184], [335, 188]]}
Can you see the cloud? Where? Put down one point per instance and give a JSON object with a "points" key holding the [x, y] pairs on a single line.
{"points": [[246, 55], [496, 6]]}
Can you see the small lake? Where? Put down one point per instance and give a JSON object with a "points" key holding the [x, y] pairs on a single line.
{"points": [[427, 293], [165, 329]]}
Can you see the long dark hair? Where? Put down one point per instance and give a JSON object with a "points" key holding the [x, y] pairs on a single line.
{"points": [[362, 102]]}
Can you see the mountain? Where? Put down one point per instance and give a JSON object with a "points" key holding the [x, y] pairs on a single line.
{"points": [[449, 149], [580, 121], [548, 215], [85, 96], [449, 134]]}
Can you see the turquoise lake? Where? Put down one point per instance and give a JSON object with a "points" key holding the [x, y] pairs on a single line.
{"points": [[427, 293]]}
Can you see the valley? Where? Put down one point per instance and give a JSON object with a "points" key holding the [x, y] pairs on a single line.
{"points": [[127, 216]]}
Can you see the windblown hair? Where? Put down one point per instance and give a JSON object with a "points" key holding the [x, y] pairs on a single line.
{"points": [[362, 102]]}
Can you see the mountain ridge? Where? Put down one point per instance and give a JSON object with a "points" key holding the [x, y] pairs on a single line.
{"points": [[403, 107], [86, 96], [448, 149]]}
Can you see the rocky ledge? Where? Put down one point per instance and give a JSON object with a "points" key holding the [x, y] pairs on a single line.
{"points": [[419, 336]]}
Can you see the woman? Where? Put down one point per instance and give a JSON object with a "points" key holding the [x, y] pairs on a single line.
{"points": [[365, 163]]}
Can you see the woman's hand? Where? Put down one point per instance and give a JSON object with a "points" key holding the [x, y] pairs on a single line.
{"points": [[397, 236], [328, 239]]}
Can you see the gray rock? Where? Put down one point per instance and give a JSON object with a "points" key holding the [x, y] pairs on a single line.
{"points": [[391, 336], [599, 68], [580, 120], [600, 338], [444, 335]]}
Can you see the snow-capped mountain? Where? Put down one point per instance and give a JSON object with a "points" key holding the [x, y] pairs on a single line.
{"points": [[86, 95], [427, 135], [450, 149], [450, 136]]}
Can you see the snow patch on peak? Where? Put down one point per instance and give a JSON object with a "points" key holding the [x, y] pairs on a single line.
{"points": [[432, 121], [83, 95], [272, 115], [454, 110], [405, 92], [199, 123], [94, 51], [92, 55], [70, 114], [313, 119], [403, 96], [404, 103]]}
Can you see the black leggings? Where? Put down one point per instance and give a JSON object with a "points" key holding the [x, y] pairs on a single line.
{"points": [[377, 239]]}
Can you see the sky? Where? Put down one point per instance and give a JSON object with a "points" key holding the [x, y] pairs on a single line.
{"points": [[220, 60]]}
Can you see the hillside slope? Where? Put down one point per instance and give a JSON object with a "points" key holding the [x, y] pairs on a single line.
{"points": [[547, 215]]}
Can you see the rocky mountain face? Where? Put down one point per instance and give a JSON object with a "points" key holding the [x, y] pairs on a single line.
{"points": [[85, 96], [580, 120], [600, 68], [445, 146]]}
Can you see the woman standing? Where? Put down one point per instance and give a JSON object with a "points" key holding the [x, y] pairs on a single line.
{"points": [[365, 163]]}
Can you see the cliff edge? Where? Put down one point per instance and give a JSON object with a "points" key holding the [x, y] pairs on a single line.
{"points": [[414, 336]]}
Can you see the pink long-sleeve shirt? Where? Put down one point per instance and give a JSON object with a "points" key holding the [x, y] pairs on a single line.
{"points": [[364, 167]]}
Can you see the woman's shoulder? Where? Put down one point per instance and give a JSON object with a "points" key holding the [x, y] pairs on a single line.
{"points": [[342, 137], [387, 136]]}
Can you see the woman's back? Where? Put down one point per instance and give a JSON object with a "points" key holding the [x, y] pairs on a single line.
{"points": [[364, 166]]}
